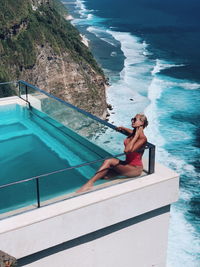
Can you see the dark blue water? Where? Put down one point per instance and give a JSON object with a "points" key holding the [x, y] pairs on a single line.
{"points": [[149, 49], [171, 27]]}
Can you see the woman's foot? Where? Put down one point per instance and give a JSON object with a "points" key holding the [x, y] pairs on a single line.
{"points": [[85, 187]]}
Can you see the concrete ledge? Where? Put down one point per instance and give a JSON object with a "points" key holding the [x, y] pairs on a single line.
{"points": [[87, 213], [11, 100]]}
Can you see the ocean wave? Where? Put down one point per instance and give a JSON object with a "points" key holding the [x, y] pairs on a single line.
{"points": [[174, 162], [81, 7], [159, 115], [183, 254], [152, 112], [189, 85], [169, 82], [131, 82], [90, 16], [161, 65], [136, 64], [86, 16], [125, 105], [100, 33], [131, 47]]}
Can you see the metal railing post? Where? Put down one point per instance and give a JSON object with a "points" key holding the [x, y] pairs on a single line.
{"points": [[19, 86], [38, 191], [151, 167], [26, 90]]}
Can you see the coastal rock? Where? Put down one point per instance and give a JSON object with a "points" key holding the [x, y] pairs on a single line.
{"points": [[109, 106], [6, 260]]}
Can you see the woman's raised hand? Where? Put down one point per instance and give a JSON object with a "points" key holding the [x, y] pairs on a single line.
{"points": [[139, 130], [119, 129]]}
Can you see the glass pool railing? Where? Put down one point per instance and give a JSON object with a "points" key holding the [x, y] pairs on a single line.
{"points": [[87, 139]]}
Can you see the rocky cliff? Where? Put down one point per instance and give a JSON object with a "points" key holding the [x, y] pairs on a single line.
{"points": [[39, 46]]}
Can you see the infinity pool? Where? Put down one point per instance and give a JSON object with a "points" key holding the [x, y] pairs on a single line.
{"points": [[32, 144]]}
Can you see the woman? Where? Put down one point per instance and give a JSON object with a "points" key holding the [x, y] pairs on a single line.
{"points": [[134, 148]]}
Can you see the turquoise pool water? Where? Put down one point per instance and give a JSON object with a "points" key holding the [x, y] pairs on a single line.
{"points": [[31, 144]]}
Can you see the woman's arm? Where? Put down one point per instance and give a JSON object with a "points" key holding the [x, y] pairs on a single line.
{"points": [[131, 147], [136, 142], [121, 129]]}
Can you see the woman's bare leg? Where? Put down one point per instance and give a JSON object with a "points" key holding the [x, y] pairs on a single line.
{"points": [[103, 170], [111, 174], [126, 170]]}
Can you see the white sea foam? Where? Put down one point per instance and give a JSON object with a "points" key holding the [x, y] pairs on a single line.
{"points": [[81, 7], [161, 65], [135, 63], [86, 15], [131, 47], [179, 165], [125, 95], [90, 16], [190, 85], [152, 112], [101, 33], [188, 245], [153, 131]]}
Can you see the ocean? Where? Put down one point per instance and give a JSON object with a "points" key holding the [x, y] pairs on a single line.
{"points": [[150, 50]]}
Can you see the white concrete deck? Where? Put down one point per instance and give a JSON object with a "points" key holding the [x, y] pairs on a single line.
{"points": [[110, 205], [11, 100]]}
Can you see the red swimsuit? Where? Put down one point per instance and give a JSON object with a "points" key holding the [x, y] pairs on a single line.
{"points": [[133, 158]]}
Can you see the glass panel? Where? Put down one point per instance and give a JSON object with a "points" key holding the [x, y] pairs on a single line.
{"points": [[64, 183], [22, 90], [54, 186], [56, 143], [19, 197], [96, 132]]}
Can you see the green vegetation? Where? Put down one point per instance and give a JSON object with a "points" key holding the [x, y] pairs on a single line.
{"points": [[23, 29]]}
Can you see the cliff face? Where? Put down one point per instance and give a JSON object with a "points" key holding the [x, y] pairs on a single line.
{"points": [[75, 82], [41, 47]]}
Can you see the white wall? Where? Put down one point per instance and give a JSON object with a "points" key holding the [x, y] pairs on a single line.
{"points": [[141, 243], [121, 225]]}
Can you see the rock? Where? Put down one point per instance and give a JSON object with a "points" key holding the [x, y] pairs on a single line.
{"points": [[6, 260], [109, 106], [107, 81]]}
